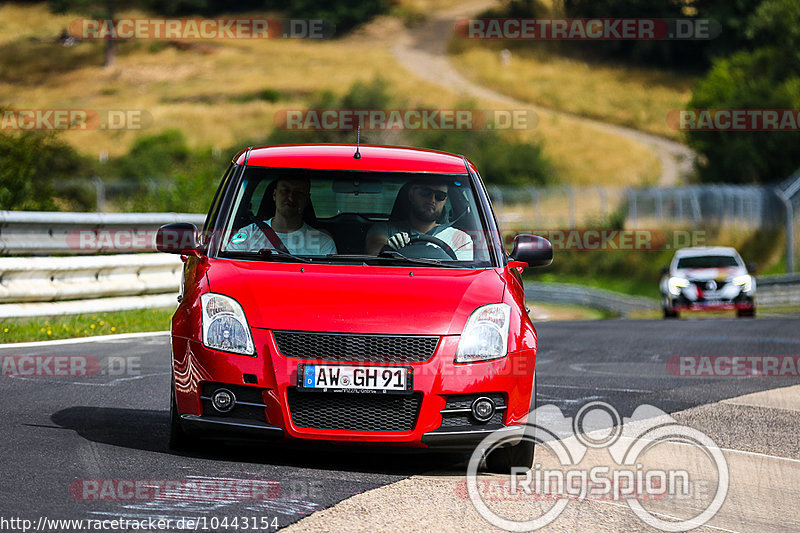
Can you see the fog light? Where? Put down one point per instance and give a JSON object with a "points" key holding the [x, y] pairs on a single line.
{"points": [[483, 409], [223, 400]]}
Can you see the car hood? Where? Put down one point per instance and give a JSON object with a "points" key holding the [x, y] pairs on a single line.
{"points": [[357, 299], [706, 274]]}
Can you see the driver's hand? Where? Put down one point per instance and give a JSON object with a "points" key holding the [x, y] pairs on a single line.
{"points": [[398, 240]]}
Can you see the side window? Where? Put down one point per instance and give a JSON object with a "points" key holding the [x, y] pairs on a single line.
{"points": [[211, 219]]}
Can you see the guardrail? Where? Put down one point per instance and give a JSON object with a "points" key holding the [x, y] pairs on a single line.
{"points": [[568, 293], [46, 233], [36, 286], [778, 291]]}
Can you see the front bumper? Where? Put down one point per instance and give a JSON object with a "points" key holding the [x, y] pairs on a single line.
{"points": [[268, 383]]}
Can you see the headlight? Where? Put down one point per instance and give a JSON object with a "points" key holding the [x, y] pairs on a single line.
{"points": [[224, 325], [745, 282], [486, 334], [676, 284]]}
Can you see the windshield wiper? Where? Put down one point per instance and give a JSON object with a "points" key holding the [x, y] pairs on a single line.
{"points": [[282, 253], [264, 252], [394, 254]]}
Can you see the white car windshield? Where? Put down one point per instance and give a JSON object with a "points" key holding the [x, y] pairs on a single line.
{"points": [[708, 261]]}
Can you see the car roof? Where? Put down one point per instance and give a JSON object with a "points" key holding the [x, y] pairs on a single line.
{"points": [[340, 157], [696, 251]]}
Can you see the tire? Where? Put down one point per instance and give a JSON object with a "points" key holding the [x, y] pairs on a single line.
{"points": [[178, 439], [502, 460], [669, 313], [746, 313]]}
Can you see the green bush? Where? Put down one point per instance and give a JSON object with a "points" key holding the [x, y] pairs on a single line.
{"points": [[164, 174], [33, 168]]}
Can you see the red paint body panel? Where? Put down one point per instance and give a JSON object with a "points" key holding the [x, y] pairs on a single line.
{"points": [[357, 299], [340, 157]]}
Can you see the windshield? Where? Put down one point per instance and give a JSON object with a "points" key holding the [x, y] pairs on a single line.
{"points": [[327, 216], [708, 261]]}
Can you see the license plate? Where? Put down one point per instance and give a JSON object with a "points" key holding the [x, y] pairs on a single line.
{"points": [[343, 378]]}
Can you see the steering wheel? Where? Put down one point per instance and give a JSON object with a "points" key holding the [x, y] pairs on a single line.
{"points": [[431, 239]]}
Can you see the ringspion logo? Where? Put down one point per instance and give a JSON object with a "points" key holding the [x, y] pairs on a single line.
{"points": [[599, 455]]}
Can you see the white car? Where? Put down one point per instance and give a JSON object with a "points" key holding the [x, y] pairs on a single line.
{"points": [[707, 278]]}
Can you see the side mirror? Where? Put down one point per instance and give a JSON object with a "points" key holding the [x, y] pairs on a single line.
{"points": [[664, 271], [177, 238], [532, 249], [751, 268]]}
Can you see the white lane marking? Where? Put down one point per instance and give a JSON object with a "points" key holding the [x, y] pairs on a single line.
{"points": [[108, 384], [613, 389], [79, 340], [579, 367], [678, 518]]}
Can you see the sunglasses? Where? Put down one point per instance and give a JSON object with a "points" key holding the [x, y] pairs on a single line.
{"points": [[427, 192]]}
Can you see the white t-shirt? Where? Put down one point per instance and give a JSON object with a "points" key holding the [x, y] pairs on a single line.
{"points": [[459, 241], [304, 241]]}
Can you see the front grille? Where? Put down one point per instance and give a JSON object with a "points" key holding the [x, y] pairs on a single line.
{"points": [[702, 285], [354, 411], [346, 347]]}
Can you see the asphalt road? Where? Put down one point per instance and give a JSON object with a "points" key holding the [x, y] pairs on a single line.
{"points": [[62, 434]]}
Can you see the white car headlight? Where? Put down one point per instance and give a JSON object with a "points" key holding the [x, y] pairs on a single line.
{"points": [[485, 335], [675, 285], [224, 325], [745, 282]]}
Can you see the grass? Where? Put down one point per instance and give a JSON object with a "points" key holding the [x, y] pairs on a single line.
{"points": [[627, 96], [633, 287], [546, 311], [225, 93], [88, 325]]}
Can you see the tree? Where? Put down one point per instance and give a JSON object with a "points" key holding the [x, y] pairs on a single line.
{"points": [[97, 9], [767, 77]]}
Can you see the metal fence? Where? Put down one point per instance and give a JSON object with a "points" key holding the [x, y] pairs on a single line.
{"points": [[702, 205]]}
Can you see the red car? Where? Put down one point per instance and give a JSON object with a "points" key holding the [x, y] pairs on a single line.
{"points": [[353, 294]]}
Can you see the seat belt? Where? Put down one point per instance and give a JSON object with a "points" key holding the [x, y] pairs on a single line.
{"points": [[270, 234]]}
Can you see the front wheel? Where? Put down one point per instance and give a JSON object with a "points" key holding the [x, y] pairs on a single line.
{"points": [[746, 313], [178, 440], [670, 313], [502, 460]]}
